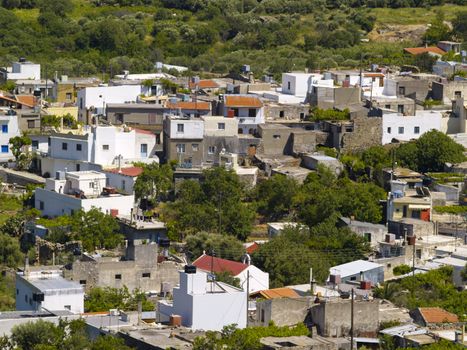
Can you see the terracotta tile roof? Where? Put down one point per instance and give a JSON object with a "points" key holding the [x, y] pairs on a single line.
{"points": [[252, 248], [27, 100], [373, 75], [204, 84], [142, 131], [243, 101], [420, 50], [437, 315], [204, 263], [6, 98], [205, 106], [130, 171], [276, 293]]}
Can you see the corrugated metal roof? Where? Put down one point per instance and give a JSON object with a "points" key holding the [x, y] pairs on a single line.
{"points": [[354, 267]]}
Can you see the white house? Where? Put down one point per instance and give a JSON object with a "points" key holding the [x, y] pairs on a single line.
{"points": [[92, 100], [8, 129], [80, 190], [258, 280], [406, 128], [99, 147], [40, 290], [358, 270], [123, 179], [248, 110], [297, 84], [204, 305], [276, 228], [23, 70]]}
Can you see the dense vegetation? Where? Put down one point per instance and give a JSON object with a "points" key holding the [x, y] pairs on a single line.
{"points": [[93, 37], [104, 299]]}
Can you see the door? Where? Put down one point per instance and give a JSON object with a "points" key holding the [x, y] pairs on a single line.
{"points": [[144, 150]]}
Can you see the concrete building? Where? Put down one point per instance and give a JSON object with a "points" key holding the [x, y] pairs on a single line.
{"points": [[405, 128], [140, 115], [183, 140], [32, 87], [298, 84], [204, 305], [22, 69], [122, 179], [415, 86], [359, 270], [8, 129], [189, 108], [373, 233], [448, 68], [405, 203], [276, 228], [402, 105], [46, 289], [259, 280], [447, 91], [313, 161], [65, 89], [93, 100], [248, 110], [329, 321], [69, 192], [145, 264], [98, 147], [330, 96], [220, 135]]}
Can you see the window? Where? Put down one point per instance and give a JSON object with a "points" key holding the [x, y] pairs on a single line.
{"points": [[368, 237], [221, 126], [64, 146], [302, 116], [105, 147], [81, 103], [400, 108], [235, 111], [41, 205], [262, 315], [458, 94], [82, 282], [146, 275], [194, 147], [211, 149], [5, 129], [180, 128], [119, 118], [288, 85], [17, 291], [389, 130], [118, 276], [416, 130], [78, 167], [353, 278], [123, 185], [91, 185], [252, 113], [35, 144], [68, 96], [31, 124], [401, 90], [78, 147], [144, 150], [387, 106], [276, 137], [281, 114], [4, 148], [401, 129], [67, 307], [180, 148]]}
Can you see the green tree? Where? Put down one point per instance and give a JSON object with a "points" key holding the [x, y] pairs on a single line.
{"points": [[275, 197], [227, 277], [95, 229], [434, 149], [224, 246], [109, 342], [460, 25], [10, 251], [17, 148], [154, 182], [103, 299], [438, 31]]}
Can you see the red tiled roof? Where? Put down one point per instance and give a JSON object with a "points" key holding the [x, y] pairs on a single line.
{"points": [[190, 105], [130, 171], [373, 75], [252, 248], [243, 101], [204, 84], [27, 100], [437, 315], [204, 262], [420, 50], [142, 131], [276, 293], [6, 98]]}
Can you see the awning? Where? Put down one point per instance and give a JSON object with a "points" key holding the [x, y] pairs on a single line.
{"points": [[419, 206]]}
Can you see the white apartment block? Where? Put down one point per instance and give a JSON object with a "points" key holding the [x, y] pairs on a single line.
{"points": [[8, 129]]}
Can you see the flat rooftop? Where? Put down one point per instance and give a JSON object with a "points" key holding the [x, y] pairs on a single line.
{"points": [[354, 267]]}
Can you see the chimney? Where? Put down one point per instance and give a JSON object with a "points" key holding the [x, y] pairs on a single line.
{"points": [[26, 267]]}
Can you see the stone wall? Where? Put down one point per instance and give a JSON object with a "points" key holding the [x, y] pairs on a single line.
{"points": [[285, 112], [367, 132], [283, 311], [332, 319]]}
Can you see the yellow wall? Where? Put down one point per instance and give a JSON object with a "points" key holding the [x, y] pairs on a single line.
{"points": [[59, 111]]}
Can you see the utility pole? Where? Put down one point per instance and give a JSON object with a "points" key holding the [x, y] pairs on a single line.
{"points": [[351, 319], [247, 294], [413, 266]]}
